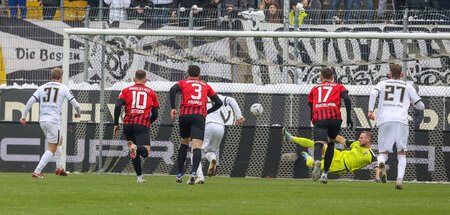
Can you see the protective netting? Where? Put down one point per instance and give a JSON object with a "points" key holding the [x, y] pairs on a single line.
{"points": [[276, 72]]}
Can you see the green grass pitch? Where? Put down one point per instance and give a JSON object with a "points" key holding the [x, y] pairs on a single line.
{"points": [[120, 194]]}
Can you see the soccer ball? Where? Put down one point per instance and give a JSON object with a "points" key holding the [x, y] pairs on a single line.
{"points": [[256, 109]]}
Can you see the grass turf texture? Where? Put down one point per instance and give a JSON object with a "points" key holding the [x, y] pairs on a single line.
{"points": [[120, 194]]}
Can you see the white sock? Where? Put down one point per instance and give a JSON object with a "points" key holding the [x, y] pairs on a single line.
{"points": [[325, 174], [58, 154], [140, 177], [401, 166], [210, 156], [382, 158], [44, 160]]}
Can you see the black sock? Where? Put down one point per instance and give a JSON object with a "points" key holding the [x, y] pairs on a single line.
{"points": [[142, 151], [137, 165], [318, 147], [182, 157], [328, 157], [197, 157]]}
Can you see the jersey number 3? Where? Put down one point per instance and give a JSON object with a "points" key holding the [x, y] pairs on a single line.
{"points": [[329, 89], [198, 90]]}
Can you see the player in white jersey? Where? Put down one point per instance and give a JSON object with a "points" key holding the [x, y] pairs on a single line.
{"points": [[51, 96], [214, 131], [395, 97]]}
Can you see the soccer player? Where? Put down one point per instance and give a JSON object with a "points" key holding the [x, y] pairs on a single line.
{"points": [[395, 96], [325, 102], [359, 155], [194, 93], [214, 131], [50, 97], [139, 101]]}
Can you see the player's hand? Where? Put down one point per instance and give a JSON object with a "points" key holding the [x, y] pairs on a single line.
{"points": [[116, 127], [174, 14], [240, 121], [350, 123], [77, 115], [23, 121], [371, 115], [174, 113]]}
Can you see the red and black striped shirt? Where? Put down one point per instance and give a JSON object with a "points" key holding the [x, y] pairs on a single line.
{"points": [[194, 96], [326, 101], [139, 101]]}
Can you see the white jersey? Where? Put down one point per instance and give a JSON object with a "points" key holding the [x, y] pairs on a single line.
{"points": [[394, 102], [50, 96], [215, 116]]}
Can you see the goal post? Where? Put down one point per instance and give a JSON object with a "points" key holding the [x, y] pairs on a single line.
{"points": [[274, 68]]}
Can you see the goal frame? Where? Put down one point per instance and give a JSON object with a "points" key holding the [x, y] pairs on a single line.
{"points": [[210, 33]]}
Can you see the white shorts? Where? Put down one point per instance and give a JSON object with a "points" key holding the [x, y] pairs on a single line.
{"points": [[390, 133], [213, 137], [51, 131]]}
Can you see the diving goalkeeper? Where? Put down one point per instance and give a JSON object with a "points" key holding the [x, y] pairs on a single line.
{"points": [[359, 155]]}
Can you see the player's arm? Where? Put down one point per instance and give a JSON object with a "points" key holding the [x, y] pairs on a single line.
{"points": [[31, 101], [310, 105], [117, 109], [217, 103], [236, 109], [73, 102], [372, 98], [344, 141], [172, 93], [348, 107], [154, 116]]}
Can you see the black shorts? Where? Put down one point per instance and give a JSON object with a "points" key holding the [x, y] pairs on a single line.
{"points": [[139, 134], [192, 125], [326, 128]]}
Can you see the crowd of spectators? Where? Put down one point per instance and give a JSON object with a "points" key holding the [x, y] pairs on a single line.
{"points": [[159, 12]]}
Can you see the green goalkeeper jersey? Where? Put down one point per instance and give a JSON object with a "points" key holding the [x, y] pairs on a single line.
{"points": [[357, 157]]}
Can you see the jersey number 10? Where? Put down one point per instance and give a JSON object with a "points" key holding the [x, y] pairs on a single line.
{"points": [[137, 100]]}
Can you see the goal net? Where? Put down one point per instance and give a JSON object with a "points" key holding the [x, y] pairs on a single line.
{"points": [[275, 69]]}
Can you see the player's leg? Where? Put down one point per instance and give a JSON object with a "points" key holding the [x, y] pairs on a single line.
{"points": [[52, 133], [197, 135], [217, 132], [305, 142], [185, 133], [334, 126], [320, 138], [142, 141], [402, 141], [386, 139], [59, 169], [200, 177]]}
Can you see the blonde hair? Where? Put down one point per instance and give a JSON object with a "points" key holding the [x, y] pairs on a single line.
{"points": [[56, 73]]}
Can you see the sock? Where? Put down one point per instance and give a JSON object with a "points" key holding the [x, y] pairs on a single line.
{"points": [[182, 157], [210, 156], [382, 158], [137, 165], [142, 151], [196, 160], [325, 174], [140, 177], [57, 156], [309, 162], [199, 169], [328, 157], [318, 147], [44, 160], [401, 166]]}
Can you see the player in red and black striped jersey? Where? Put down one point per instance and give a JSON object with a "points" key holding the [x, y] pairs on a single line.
{"points": [[325, 102], [194, 97], [139, 101]]}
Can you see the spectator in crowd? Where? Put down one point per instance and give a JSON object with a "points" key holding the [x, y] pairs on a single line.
{"points": [[264, 5], [93, 9], [117, 11], [13, 8], [160, 12], [273, 13], [302, 14], [334, 5], [238, 5], [49, 8], [369, 8], [184, 15], [141, 9], [382, 4]]}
